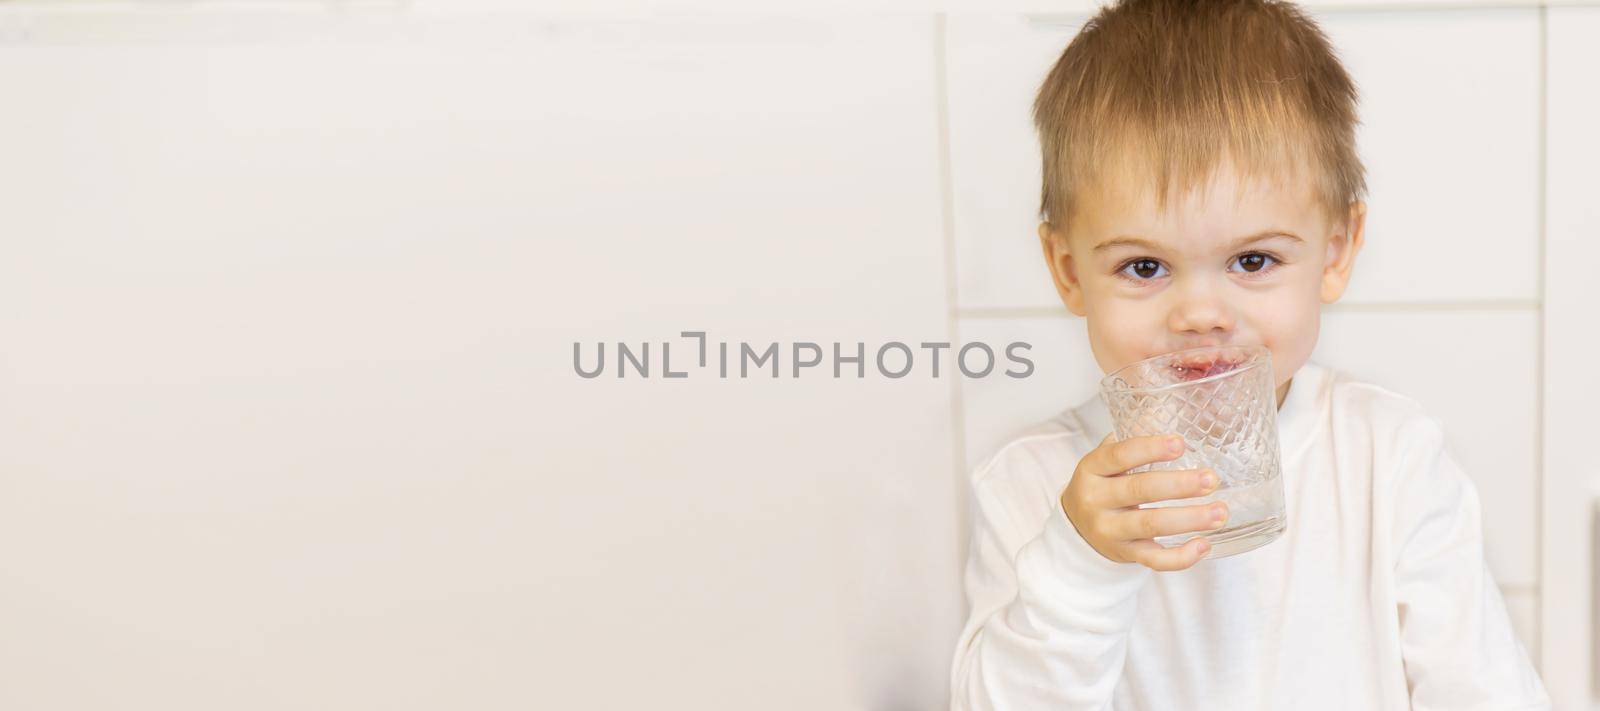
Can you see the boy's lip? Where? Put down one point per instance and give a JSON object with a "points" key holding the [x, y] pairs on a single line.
{"points": [[1200, 365]]}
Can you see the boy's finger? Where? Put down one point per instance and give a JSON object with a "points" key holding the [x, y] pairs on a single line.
{"points": [[1145, 487], [1165, 521], [1136, 451], [1157, 557]]}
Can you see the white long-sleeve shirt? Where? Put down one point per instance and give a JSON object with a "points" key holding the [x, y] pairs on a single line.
{"points": [[1377, 596]]}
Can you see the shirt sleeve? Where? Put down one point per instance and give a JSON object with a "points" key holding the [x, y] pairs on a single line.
{"points": [[1050, 616], [1457, 642]]}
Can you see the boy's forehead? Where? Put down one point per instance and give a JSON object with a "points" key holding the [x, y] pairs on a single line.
{"points": [[1220, 208]]}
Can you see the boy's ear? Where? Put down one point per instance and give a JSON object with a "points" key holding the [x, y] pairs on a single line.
{"points": [[1342, 249], [1062, 269]]}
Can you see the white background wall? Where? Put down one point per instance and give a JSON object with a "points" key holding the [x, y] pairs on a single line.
{"points": [[290, 292]]}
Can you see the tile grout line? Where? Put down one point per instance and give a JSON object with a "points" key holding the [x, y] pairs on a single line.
{"points": [[1073, 18], [1539, 329], [958, 434], [1456, 6]]}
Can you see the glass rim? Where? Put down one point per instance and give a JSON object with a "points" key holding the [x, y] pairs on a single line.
{"points": [[1256, 357]]}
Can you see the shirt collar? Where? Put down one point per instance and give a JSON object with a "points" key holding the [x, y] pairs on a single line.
{"points": [[1298, 415]]}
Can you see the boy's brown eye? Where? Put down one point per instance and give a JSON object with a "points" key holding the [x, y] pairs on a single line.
{"points": [[1252, 262], [1141, 269]]}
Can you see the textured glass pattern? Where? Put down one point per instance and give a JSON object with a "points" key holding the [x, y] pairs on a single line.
{"points": [[1223, 403]]}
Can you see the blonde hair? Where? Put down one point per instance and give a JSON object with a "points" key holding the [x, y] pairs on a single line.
{"points": [[1165, 90]]}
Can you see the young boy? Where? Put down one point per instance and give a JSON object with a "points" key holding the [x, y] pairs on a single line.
{"points": [[1201, 187]]}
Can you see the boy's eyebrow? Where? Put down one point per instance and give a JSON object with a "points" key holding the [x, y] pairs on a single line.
{"points": [[1147, 244], [1126, 242], [1269, 234]]}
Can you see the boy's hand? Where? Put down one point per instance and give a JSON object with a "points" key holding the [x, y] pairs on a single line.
{"points": [[1102, 503]]}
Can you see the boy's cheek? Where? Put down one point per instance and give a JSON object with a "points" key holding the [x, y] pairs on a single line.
{"points": [[1122, 332], [1290, 326]]}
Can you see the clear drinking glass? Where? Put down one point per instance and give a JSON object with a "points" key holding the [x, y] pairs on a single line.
{"points": [[1223, 402]]}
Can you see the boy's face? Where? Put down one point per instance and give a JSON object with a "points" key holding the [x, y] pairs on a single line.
{"points": [[1245, 263]]}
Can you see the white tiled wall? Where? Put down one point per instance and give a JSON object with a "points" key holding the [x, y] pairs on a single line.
{"points": [[1524, 609], [1448, 288], [1450, 131], [288, 309], [1571, 339], [994, 64], [876, 6]]}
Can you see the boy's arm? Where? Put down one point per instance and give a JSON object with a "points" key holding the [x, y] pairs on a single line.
{"points": [[1460, 650], [1049, 615]]}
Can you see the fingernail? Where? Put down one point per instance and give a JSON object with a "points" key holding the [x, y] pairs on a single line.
{"points": [[1205, 547], [1175, 444], [1208, 480], [1218, 515]]}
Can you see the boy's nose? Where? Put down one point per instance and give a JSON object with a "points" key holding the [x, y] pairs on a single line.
{"points": [[1199, 311]]}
